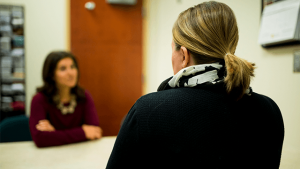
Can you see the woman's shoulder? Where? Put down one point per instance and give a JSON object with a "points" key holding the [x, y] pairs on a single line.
{"points": [[175, 94], [39, 96], [165, 97], [263, 100], [161, 95], [88, 96]]}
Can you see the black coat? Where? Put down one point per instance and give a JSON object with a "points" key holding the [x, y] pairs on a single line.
{"points": [[200, 128]]}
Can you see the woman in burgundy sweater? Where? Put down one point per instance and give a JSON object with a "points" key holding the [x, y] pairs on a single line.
{"points": [[61, 111]]}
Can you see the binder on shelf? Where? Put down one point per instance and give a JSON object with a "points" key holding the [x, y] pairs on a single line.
{"points": [[17, 21], [6, 104], [6, 62], [6, 99], [6, 107], [5, 44], [11, 80], [6, 30], [6, 73], [19, 73], [20, 98], [6, 89], [17, 12], [4, 19], [17, 52], [18, 62], [18, 40], [4, 11], [17, 87]]}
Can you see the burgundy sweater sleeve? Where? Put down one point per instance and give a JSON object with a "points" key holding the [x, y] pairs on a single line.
{"points": [[90, 114], [53, 138]]}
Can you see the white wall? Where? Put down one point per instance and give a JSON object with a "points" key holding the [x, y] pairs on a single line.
{"points": [[274, 73], [46, 23]]}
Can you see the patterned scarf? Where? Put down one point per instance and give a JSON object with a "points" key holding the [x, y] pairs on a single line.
{"points": [[197, 75]]}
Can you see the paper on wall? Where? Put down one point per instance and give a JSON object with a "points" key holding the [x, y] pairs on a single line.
{"points": [[279, 22]]}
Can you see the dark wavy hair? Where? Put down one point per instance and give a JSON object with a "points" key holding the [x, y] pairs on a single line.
{"points": [[49, 88]]}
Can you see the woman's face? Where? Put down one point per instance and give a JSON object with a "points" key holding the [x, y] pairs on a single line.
{"points": [[176, 59], [66, 73]]}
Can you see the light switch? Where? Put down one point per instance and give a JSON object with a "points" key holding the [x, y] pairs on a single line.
{"points": [[297, 61]]}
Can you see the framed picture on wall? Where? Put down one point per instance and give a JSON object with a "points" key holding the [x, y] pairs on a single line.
{"points": [[279, 23], [264, 3]]}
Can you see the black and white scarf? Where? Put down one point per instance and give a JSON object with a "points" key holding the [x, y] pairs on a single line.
{"points": [[196, 75]]}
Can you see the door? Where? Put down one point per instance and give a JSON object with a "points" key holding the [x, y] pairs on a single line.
{"points": [[108, 44]]}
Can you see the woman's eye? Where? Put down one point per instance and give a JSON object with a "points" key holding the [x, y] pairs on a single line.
{"points": [[62, 68], [73, 66]]}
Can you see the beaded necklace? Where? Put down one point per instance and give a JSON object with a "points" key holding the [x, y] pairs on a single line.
{"points": [[66, 109]]}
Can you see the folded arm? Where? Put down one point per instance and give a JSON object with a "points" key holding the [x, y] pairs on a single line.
{"points": [[44, 134]]}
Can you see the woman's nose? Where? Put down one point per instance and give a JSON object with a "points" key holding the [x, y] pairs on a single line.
{"points": [[71, 71]]}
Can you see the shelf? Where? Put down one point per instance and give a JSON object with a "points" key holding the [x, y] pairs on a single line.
{"points": [[12, 47], [12, 80]]}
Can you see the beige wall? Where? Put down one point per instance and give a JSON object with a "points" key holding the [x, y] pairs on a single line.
{"points": [[274, 73], [46, 26]]}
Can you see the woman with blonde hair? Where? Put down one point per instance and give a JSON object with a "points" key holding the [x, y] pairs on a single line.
{"points": [[206, 115]]}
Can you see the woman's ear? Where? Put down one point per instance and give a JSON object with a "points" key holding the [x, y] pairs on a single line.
{"points": [[186, 57]]}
